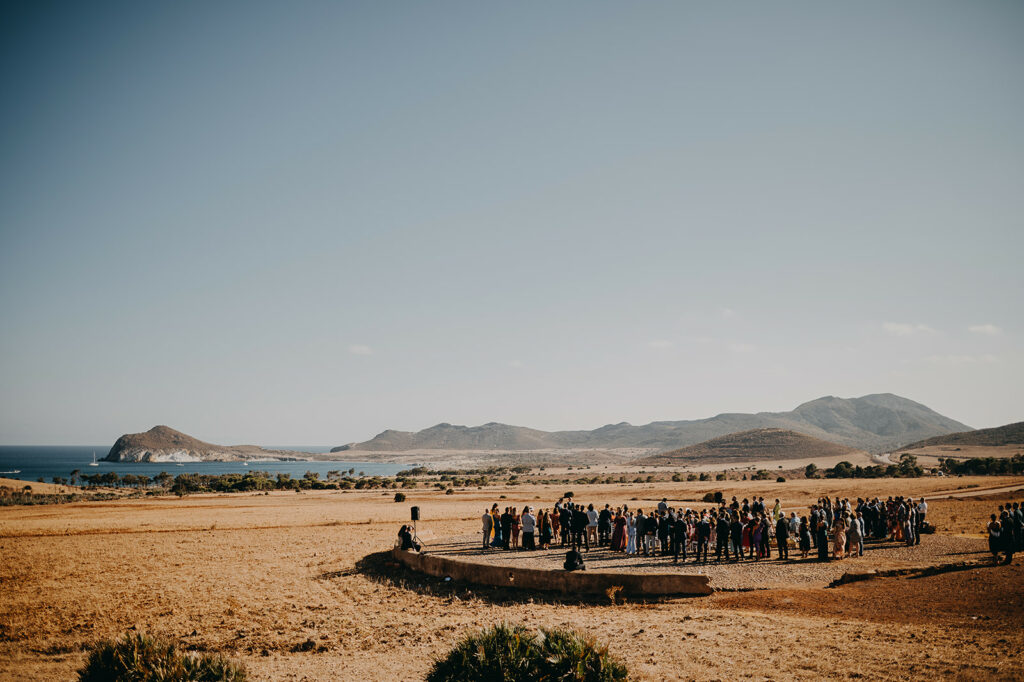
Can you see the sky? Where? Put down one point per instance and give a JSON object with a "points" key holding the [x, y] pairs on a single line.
{"points": [[304, 223]]}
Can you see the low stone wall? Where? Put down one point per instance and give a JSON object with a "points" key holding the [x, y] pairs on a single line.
{"points": [[566, 582]]}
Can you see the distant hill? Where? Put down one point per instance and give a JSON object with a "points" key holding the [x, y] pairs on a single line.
{"points": [[753, 445], [164, 444], [876, 423], [1011, 434]]}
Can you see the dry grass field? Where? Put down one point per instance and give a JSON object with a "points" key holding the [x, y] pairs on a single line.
{"points": [[293, 585]]}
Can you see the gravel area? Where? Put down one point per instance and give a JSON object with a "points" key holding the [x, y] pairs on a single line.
{"points": [[934, 550]]}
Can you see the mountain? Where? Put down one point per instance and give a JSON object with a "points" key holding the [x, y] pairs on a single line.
{"points": [[748, 446], [164, 444], [1011, 434], [877, 423]]}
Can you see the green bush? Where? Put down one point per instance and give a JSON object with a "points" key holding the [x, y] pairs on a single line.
{"points": [[780, 479], [511, 653], [399, 497], [138, 657]]}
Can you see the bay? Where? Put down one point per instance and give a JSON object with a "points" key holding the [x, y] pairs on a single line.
{"points": [[47, 461]]}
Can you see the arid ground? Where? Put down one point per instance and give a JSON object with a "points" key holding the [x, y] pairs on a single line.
{"points": [[296, 586]]}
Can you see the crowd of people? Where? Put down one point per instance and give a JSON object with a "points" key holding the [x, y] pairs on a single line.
{"points": [[1006, 531], [735, 531]]}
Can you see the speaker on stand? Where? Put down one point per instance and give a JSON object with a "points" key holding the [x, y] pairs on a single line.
{"points": [[414, 513]]}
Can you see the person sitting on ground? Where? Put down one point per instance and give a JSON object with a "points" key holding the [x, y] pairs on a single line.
{"points": [[574, 561], [406, 540]]}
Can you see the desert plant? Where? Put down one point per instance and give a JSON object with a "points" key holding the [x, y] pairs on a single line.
{"points": [[399, 497], [503, 652], [143, 658], [511, 653], [571, 655], [780, 479]]}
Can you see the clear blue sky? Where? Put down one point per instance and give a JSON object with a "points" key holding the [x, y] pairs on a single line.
{"points": [[302, 223]]}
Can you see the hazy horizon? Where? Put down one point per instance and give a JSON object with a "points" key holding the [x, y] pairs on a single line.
{"points": [[259, 223]]}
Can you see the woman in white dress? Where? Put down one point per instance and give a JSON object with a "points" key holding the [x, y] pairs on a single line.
{"points": [[631, 533]]}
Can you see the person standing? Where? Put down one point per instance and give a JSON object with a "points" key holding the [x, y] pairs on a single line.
{"points": [[631, 533], [822, 540], [736, 535], [679, 532], [619, 534], [514, 537], [640, 530], [592, 517], [488, 522], [506, 527], [498, 541], [703, 535], [994, 540], [579, 528], [604, 526], [1009, 542], [782, 538], [755, 537], [664, 531], [722, 531], [805, 537], [545, 530], [529, 524], [922, 512], [854, 538], [840, 539]]}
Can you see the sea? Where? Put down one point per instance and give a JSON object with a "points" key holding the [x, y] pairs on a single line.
{"points": [[30, 462]]}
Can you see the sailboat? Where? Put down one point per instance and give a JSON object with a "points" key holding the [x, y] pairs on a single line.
{"points": [[94, 463]]}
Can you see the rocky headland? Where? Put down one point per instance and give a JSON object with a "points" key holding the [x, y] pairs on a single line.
{"points": [[164, 444]]}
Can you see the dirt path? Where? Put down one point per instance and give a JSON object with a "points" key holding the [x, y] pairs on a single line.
{"points": [[974, 492]]}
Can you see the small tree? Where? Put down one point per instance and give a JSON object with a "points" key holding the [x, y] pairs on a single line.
{"points": [[811, 471], [399, 497]]}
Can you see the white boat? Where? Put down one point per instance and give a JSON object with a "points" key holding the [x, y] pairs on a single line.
{"points": [[15, 471], [179, 464], [94, 463]]}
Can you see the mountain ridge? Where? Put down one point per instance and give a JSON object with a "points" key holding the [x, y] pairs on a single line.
{"points": [[756, 444], [1008, 434], [878, 422]]}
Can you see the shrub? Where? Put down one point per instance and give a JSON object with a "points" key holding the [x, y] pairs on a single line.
{"points": [[568, 494], [450, 491], [399, 497], [780, 479], [138, 656], [512, 653], [709, 497]]}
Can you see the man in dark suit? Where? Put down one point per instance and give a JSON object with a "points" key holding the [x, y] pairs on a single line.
{"points": [[604, 526], [679, 529], [579, 528], [703, 536], [782, 537], [722, 535]]}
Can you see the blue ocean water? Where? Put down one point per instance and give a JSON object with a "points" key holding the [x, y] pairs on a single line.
{"points": [[33, 461]]}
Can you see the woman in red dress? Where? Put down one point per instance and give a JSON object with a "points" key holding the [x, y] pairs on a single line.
{"points": [[619, 533]]}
